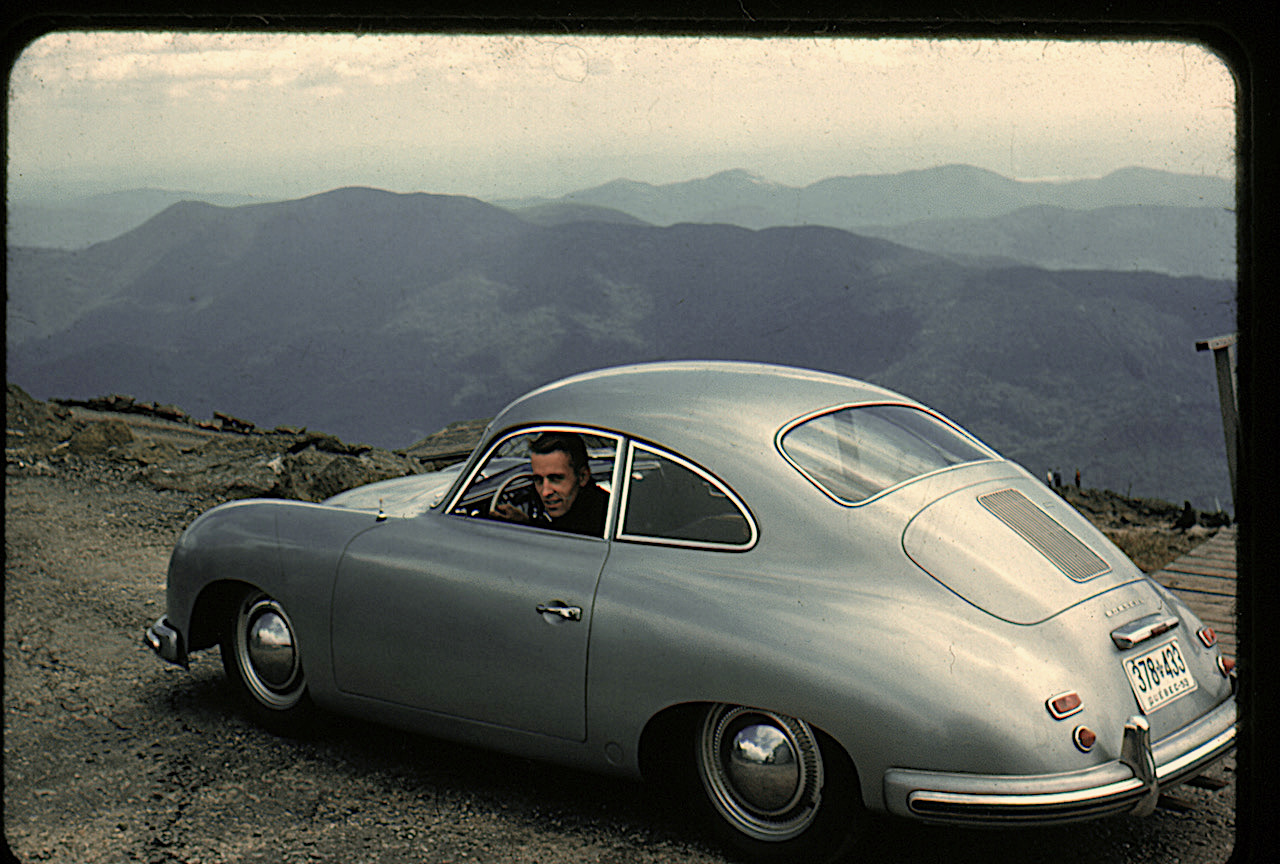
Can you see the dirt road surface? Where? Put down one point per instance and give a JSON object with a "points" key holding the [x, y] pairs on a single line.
{"points": [[111, 755]]}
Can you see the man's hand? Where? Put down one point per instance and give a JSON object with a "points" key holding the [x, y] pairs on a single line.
{"points": [[510, 512]]}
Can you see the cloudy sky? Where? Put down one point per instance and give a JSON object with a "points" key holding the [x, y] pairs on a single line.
{"points": [[503, 116]]}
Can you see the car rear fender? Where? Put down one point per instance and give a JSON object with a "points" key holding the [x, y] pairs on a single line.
{"points": [[928, 681]]}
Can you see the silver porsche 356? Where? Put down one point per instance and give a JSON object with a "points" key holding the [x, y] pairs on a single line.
{"points": [[807, 598]]}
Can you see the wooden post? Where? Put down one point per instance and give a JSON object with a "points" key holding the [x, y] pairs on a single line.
{"points": [[1221, 347]]}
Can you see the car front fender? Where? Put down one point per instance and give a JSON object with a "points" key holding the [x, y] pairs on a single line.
{"points": [[286, 549]]}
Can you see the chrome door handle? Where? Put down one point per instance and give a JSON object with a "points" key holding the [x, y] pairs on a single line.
{"points": [[568, 613]]}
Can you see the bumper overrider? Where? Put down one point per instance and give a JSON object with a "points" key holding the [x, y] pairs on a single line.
{"points": [[1130, 784], [167, 642]]}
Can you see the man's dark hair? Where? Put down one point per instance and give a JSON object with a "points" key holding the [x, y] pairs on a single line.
{"points": [[569, 443]]}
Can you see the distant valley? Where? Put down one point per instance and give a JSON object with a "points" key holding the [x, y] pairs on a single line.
{"points": [[382, 317]]}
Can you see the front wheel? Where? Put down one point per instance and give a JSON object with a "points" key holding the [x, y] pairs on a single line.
{"points": [[261, 658], [777, 790]]}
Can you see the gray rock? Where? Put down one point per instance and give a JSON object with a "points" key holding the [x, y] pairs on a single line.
{"points": [[98, 438]]}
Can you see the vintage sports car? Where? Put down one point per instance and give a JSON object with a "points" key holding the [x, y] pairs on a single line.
{"points": [[811, 598]]}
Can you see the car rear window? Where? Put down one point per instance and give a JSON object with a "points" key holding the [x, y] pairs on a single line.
{"points": [[854, 454]]}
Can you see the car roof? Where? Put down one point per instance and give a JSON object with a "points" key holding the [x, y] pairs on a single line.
{"points": [[698, 407]]}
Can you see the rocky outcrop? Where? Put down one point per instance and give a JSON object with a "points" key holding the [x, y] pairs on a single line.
{"points": [[123, 404], [223, 460], [276, 466], [451, 444], [30, 423], [95, 439]]}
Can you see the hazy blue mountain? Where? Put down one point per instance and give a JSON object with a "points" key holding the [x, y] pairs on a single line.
{"points": [[563, 213], [1183, 241], [383, 317], [1132, 219], [947, 192], [937, 209]]}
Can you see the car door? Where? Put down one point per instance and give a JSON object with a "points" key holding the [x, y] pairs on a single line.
{"points": [[470, 617]]}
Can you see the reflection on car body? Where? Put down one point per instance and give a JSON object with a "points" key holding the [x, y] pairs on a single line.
{"points": [[812, 598]]}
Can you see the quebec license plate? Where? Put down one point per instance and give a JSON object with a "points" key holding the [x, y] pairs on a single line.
{"points": [[1159, 676]]}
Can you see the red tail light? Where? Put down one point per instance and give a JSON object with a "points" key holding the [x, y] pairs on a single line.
{"points": [[1084, 738], [1064, 705], [1226, 665], [1207, 636]]}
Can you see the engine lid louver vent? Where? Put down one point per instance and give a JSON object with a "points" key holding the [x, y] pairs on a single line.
{"points": [[1060, 546]]}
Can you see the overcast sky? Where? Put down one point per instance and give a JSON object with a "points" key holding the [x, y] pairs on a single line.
{"points": [[504, 116]]}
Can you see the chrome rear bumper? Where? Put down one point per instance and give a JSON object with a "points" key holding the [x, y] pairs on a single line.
{"points": [[1131, 784]]}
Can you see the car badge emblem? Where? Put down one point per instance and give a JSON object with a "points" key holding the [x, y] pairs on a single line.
{"points": [[1111, 613]]}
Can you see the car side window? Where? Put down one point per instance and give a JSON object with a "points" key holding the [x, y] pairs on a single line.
{"points": [[503, 488], [669, 500]]}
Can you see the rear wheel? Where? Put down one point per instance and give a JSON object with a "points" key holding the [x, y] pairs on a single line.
{"points": [[261, 658], [775, 788]]}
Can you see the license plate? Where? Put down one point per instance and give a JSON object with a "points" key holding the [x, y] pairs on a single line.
{"points": [[1159, 676]]}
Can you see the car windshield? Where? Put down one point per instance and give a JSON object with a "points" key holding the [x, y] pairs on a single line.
{"points": [[854, 454]]}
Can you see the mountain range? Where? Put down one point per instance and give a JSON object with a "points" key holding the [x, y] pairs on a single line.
{"points": [[949, 191], [382, 317], [1131, 219]]}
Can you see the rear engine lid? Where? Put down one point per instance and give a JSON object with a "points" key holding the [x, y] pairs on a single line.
{"points": [[1015, 549]]}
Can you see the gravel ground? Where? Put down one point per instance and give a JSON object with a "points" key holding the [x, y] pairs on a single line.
{"points": [[111, 755]]}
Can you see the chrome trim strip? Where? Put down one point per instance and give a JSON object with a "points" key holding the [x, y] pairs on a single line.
{"points": [[1139, 631], [1113, 796], [1173, 771]]}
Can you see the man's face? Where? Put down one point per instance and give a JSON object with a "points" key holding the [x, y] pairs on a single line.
{"points": [[555, 481]]}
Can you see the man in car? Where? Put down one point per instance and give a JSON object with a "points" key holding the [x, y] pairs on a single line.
{"points": [[562, 478]]}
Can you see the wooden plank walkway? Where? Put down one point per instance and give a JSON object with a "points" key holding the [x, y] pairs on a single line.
{"points": [[1205, 579]]}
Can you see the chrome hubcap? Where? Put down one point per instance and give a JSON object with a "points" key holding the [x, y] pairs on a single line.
{"points": [[266, 653], [762, 768], [271, 649], [762, 771]]}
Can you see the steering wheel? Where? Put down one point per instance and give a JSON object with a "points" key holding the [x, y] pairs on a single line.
{"points": [[530, 506]]}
